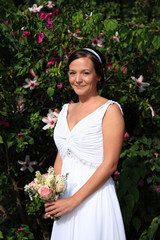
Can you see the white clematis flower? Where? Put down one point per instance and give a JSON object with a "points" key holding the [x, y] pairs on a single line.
{"points": [[51, 119], [139, 82], [20, 104], [35, 8], [116, 37], [50, 4], [31, 83], [27, 164], [74, 35]]}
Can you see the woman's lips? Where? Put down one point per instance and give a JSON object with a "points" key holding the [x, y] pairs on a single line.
{"points": [[79, 86]]}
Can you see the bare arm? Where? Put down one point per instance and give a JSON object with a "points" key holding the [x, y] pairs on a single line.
{"points": [[113, 131], [58, 164]]}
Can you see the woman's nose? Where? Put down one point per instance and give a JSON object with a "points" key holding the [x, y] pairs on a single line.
{"points": [[78, 78]]}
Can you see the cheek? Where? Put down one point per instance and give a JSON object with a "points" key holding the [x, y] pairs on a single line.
{"points": [[71, 80]]}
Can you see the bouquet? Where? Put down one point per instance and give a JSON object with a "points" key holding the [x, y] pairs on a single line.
{"points": [[46, 186]]}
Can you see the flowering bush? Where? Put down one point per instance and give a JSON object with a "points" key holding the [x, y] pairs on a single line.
{"points": [[36, 41]]}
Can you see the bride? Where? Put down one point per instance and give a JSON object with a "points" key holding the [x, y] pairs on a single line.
{"points": [[89, 136]]}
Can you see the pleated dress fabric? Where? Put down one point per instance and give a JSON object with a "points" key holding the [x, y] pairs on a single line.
{"points": [[81, 150]]}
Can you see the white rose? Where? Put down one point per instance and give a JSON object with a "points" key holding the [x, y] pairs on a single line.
{"points": [[61, 186], [58, 178], [48, 179]]}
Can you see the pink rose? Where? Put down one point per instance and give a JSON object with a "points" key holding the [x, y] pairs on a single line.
{"points": [[40, 37], [45, 192], [6, 22]]}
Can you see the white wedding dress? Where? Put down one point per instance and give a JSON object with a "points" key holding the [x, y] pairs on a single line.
{"points": [[81, 150]]}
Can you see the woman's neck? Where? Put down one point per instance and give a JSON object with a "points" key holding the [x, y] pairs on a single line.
{"points": [[83, 100]]}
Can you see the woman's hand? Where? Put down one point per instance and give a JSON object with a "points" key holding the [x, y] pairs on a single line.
{"points": [[59, 207]]}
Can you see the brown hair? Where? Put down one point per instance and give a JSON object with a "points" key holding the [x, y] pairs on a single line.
{"points": [[98, 66]]}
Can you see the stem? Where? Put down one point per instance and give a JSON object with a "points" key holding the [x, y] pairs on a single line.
{"points": [[44, 230]]}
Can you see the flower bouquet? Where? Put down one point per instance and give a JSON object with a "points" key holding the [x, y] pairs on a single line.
{"points": [[46, 186]]}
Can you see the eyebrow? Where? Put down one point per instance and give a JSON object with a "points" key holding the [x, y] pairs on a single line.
{"points": [[82, 69]]}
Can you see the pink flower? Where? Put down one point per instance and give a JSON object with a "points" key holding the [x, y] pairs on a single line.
{"points": [[6, 22], [158, 189], [20, 135], [32, 72], [124, 69], [55, 11], [156, 155], [139, 82], [31, 83], [26, 33], [40, 37], [49, 24], [60, 85], [53, 59], [35, 8], [109, 66], [45, 192], [126, 135], [116, 37], [42, 15], [141, 182], [71, 102], [20, 230], [152, 111], [150, 67], [4, 123], [27, 164], [116, 175], [50, 4]]}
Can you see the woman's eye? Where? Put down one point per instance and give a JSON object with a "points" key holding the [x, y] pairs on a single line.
{"points": [[71, 73], [86, 73]]}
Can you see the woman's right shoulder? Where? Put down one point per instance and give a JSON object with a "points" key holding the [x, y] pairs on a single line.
{"points": [[71, 106]]}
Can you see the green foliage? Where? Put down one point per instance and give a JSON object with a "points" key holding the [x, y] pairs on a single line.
{"points": [[76, 25]]}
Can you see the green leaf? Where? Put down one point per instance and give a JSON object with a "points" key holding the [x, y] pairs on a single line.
{"points": [[156, 42], [1, 235], [50, 91], [111, 25], [136, 223], [10, 143], [1, 139], [153, 229], [129, 199]]}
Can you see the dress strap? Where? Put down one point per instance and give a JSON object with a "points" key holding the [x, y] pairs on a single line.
{"points": [[105, 107]]}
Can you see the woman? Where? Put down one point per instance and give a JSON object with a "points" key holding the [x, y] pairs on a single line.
{"points": [[89, 136]]}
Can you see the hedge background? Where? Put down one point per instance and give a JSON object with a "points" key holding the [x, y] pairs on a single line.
{"points": [[128, 33]]}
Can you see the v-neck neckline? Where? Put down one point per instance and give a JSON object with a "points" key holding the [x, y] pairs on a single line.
{"points": [[81, 120]]}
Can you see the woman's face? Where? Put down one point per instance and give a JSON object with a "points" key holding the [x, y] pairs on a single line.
{"points": [[82, 77]]}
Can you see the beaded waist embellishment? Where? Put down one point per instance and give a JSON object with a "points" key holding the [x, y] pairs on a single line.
{"points": [[70, 154]]}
